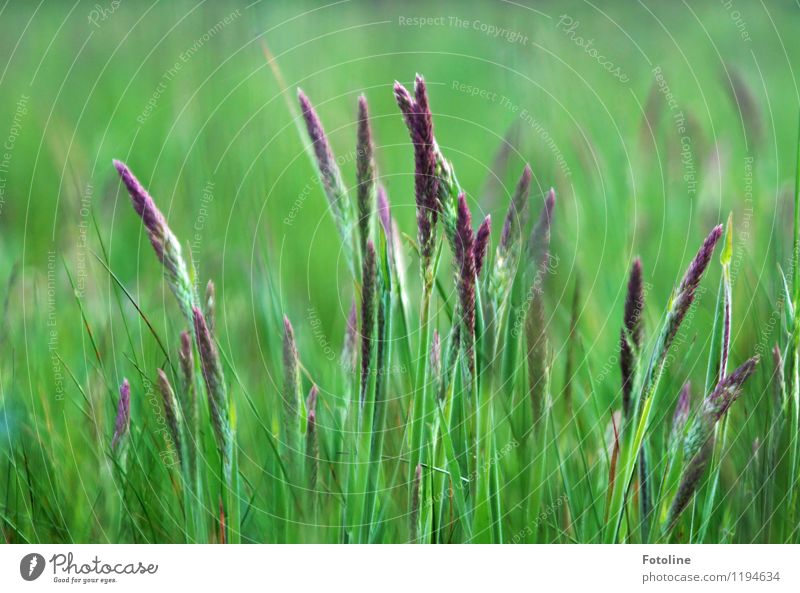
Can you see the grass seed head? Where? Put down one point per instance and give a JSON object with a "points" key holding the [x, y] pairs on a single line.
{"points": [[215, 388], [312, 439], [291, 386], [368, 298], [631, 333], [419, 120], [465, 262], [350, 347], [172, 413], [123, 420], [482, 243], [699, 443], [684, 296], [365, 172], [681, 415], [166, 246]]}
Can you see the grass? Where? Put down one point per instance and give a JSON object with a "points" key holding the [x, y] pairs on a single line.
{"points": [[478, 395]]}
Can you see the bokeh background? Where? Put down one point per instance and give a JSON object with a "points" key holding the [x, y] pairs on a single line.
{"points": [[651, 120]]}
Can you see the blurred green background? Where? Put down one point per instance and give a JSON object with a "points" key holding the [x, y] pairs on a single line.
{"points": [[651, 120]]}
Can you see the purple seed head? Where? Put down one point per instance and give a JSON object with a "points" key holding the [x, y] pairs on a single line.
{"points": [[631, 333], [384, 211], [188, 391], [123, 420], [482, 243], [215, 387], [166, 246], [368, 297], [517, 215], [539, 243], [171, 410], [385, 217], [419, 120], [311, 400], [145, 207], [700, 440], [312, 440], [686, 290], [681, 414], [690, 478], [365, 171], [291, 387], [728, 390], [186, 358], [465, 261], [328, 169]]}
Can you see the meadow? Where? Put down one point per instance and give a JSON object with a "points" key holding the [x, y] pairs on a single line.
{"points": [[372, 272]]}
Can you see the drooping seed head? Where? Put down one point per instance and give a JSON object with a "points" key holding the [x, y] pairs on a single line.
{"points": [[715, 405], [700, 440], [166, 246], [729, 389], [123, 419]]}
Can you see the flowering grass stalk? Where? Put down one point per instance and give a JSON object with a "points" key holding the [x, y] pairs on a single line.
{"points": [[428, 180], [172, 414], [166, 246], [332, 184], [630, 340], [365, 174], [221, 421], [188, 401], [291, 396], [679, 306], [699, 443], [718, 369], [122, 422], [535, 325], [312, 440]]}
